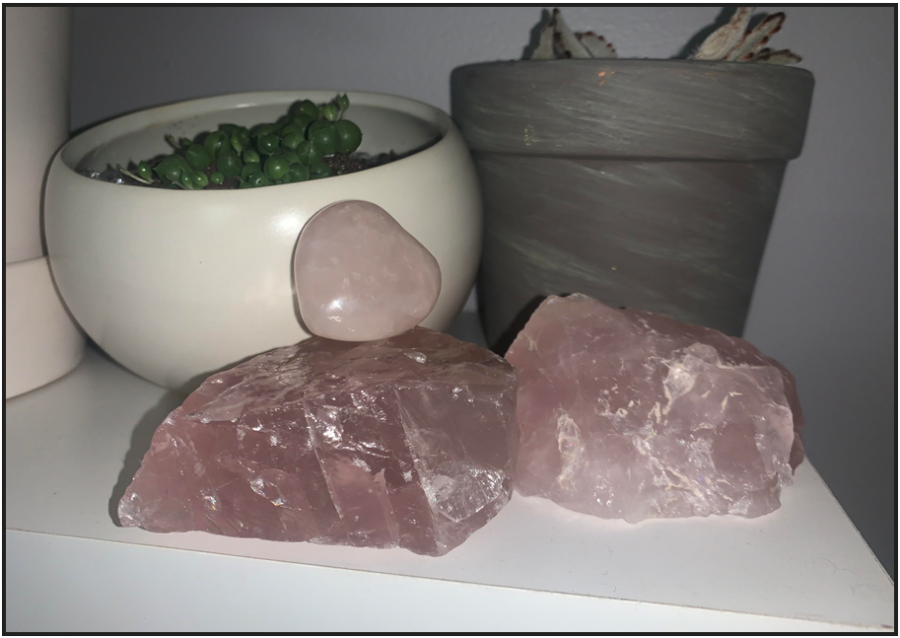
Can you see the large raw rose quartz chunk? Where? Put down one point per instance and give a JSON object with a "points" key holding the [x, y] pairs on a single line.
{"points": [[406, 442], [628, 414], [360, 276]]}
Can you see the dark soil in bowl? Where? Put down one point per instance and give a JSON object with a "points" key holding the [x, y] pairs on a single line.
{"points": [[340, 163]]}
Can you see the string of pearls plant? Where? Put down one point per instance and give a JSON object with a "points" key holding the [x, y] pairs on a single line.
{"points": [[295, 148]]}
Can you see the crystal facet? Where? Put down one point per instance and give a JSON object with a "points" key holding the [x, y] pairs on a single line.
{"points": [[360, 276], [408, 442], [628, 414]]}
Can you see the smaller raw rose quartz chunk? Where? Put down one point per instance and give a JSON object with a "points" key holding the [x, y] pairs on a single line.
{"points": [[360, 276], [628, 414], [404, 442]]}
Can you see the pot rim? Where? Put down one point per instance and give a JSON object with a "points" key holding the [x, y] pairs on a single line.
{"points": [[721, 65]]}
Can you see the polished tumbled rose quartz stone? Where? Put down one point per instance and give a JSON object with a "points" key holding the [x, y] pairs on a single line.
{"points": [[628, 414], [360, 276], [408, 441]]}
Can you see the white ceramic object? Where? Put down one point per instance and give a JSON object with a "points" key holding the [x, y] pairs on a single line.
{"points": [[42, 343], [177, 284], [37, 64]]}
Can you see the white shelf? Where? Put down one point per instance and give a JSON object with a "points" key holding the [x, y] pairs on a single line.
{"points": [[535, 567]]}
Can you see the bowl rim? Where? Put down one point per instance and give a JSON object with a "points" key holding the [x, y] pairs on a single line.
{"points": [[93, 137]]}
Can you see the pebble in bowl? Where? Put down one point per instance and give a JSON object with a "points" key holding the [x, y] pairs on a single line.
{"points": [[175, 285]]}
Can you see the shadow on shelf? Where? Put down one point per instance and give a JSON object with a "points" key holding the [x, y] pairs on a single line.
{"points": [[140, 443]]}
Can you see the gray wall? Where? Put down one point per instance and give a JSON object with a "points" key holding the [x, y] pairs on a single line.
{"points": [[824, 303]]}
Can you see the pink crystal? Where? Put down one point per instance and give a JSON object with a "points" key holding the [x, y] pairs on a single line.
{"points": [[359, 275], [628, 414], [407, 442]]}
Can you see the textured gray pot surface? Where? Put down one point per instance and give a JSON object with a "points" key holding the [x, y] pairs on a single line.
{"points": [[644, 183]]}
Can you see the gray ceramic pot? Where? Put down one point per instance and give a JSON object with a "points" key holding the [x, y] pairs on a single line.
{"points": [[644, 183]]}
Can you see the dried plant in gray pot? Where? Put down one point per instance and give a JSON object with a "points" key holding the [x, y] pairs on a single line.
{"points": [[644, 183]]}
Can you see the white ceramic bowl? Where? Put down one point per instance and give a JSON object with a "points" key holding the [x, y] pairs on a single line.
{"points": [[177, 284]]}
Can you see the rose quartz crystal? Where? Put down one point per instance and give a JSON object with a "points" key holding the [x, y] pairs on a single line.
{"points": [[360, 276], [407, 442], [628, 414]]}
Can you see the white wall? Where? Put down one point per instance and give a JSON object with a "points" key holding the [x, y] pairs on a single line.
{"points": [[824, 303]]}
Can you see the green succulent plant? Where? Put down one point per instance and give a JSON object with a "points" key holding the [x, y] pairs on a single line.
{"points": [[292, 149]]}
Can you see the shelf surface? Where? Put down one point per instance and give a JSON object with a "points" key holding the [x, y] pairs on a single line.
{"points": [[72, 447]]}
